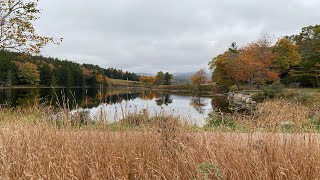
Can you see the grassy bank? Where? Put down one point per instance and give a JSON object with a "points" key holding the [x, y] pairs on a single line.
{"points": [[120, 82], [45, 152], [186, 89], [37, 144]]}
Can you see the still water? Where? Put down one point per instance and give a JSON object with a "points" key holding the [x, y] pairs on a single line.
{"points": [[116, 103]]}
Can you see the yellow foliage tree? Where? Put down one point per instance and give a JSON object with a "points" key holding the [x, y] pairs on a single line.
{"points": [[28, 73]]}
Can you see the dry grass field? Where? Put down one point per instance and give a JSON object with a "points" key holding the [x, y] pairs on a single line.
{"points": [[34, 147], [45, 152]]}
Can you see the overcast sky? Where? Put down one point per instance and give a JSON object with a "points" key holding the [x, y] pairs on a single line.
{"points": [[169, 35]]}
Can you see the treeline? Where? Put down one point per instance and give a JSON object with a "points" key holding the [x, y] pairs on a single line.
{"points": [[292, 60], [20, 69], [160, 79]]}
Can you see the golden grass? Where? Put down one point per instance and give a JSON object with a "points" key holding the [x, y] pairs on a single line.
{"points": [[277, 115], [120, 82], [33, 147], [272, 113], [45, 152]]}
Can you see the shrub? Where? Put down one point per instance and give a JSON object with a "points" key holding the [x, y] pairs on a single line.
{"points": [[219, 119], [298, 96], [134, 120], [314, 120], [234, 88], [219, 89], [272, 90], [259, 97], [210, 171]]}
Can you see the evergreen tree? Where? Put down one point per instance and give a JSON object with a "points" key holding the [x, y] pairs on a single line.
{"points": [[167, 78]]}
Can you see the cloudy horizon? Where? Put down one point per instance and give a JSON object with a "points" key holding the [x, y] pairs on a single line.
{"points": [[176, 36]]}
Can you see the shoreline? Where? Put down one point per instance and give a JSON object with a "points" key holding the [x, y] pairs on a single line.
{"points": [[185, 92]]}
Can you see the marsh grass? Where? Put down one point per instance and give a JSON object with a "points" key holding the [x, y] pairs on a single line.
{"points": [[40, 150], [41, 142]]}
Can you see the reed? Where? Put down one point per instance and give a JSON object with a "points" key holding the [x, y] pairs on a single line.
{"points": [[34, 146]]}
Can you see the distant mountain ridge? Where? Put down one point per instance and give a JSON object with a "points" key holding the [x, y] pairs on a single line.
{"points": [[179, 77], [186, 77], [145, 74]]}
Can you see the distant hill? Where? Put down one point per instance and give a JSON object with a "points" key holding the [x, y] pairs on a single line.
{"points": [[180, 77], [185, 77], [177, 77], [145, 74]]}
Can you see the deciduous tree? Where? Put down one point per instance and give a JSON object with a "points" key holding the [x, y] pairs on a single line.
{"points": [[286, 54], [199, 78], [255, 63], [252, 63], [28, 73], [17, 31]]}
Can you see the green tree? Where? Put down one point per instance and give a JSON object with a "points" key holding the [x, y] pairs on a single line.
{"points": [[167, 78], [160, 78], [46, 76], [11, 79], [308, 71], [70, 80]]}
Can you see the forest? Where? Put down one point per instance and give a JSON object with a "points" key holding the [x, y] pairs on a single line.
{"points": [[293, 60], [19, 69]]}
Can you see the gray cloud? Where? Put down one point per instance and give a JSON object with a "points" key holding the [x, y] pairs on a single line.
{"points": [[172, 35]]}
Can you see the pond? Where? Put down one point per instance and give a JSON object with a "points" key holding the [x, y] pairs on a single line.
{"points": [[116, 103]]}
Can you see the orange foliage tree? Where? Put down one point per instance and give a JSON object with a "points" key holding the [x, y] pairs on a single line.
{"points": [[252, 63], [255, 63], [199, 78]]}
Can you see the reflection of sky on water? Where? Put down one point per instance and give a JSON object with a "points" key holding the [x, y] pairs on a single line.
{"points": [[118, 102], [180, 106]]}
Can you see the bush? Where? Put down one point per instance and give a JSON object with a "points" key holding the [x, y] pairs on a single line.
{"points": [[219, 89], [259, 97], [272, 90], [298, 96], [219, 119], [234, 88], [135, 120]]}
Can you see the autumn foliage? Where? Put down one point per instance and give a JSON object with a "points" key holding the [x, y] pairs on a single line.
{"points": [[252, 63], [148, 80], [17, 28], [199, 78], [294, 59]]}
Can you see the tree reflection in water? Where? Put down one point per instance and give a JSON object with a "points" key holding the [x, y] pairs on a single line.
{"points": [[91, 98], [221, 103], [164, 99], [198, 104]]}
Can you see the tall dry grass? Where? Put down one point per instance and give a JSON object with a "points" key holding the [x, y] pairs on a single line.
{"points": [[277, 115], [31, 148], [34, 146], [44, 152]]}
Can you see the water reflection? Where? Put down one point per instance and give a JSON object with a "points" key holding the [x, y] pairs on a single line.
{"points": [[198, 104], [115, 101], [164, 99]]}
